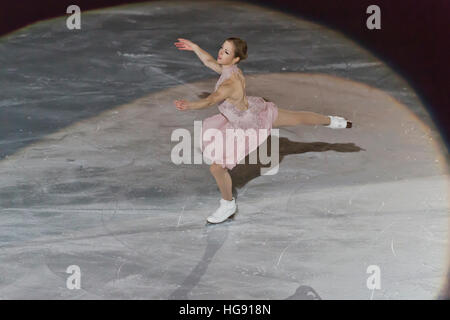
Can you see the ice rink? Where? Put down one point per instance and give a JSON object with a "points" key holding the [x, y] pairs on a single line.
{"points": [[87, 178]]}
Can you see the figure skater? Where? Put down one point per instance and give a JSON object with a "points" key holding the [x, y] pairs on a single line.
{"points": [[237, 110]]}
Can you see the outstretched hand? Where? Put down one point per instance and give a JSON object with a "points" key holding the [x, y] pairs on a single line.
{"points": [[184, 44], [182, 105]]}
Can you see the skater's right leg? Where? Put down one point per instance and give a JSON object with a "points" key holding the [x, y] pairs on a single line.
{"points": [[223, 180], [227, 203]]}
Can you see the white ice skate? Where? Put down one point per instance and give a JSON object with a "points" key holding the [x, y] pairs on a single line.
{"points": [[338, 123], [227, 209]]}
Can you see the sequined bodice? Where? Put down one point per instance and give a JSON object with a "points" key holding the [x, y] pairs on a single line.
{"points": [[238, 118]]}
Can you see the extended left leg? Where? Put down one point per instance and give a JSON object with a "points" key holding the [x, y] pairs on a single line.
{"points": [[287, 118]]}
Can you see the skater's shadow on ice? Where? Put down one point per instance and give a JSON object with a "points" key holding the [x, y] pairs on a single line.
{"points": [[243, 173], [216, 235], [215, 238], [304, 293]]}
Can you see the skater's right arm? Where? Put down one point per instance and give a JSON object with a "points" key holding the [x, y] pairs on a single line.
{"points": [[224, 91], [204, 56]]}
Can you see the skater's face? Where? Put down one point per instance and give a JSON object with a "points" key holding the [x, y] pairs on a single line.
{"points": [[226, 54]]}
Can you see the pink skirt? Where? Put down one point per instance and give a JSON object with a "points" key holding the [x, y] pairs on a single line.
{"points": [[230, 159]]}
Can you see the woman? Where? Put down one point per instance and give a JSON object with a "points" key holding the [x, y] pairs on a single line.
{"points": [[240, 111]]}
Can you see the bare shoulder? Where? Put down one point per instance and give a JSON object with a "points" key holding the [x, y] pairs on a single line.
{"points": [[235, 80], [232, 81], [238, 78], [239, 75]]}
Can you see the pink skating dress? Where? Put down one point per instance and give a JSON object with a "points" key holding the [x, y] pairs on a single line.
{"points": [[260, 115]]}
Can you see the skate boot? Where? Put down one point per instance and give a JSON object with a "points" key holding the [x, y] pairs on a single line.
{"points": [[338, 123], [227, 209]]}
